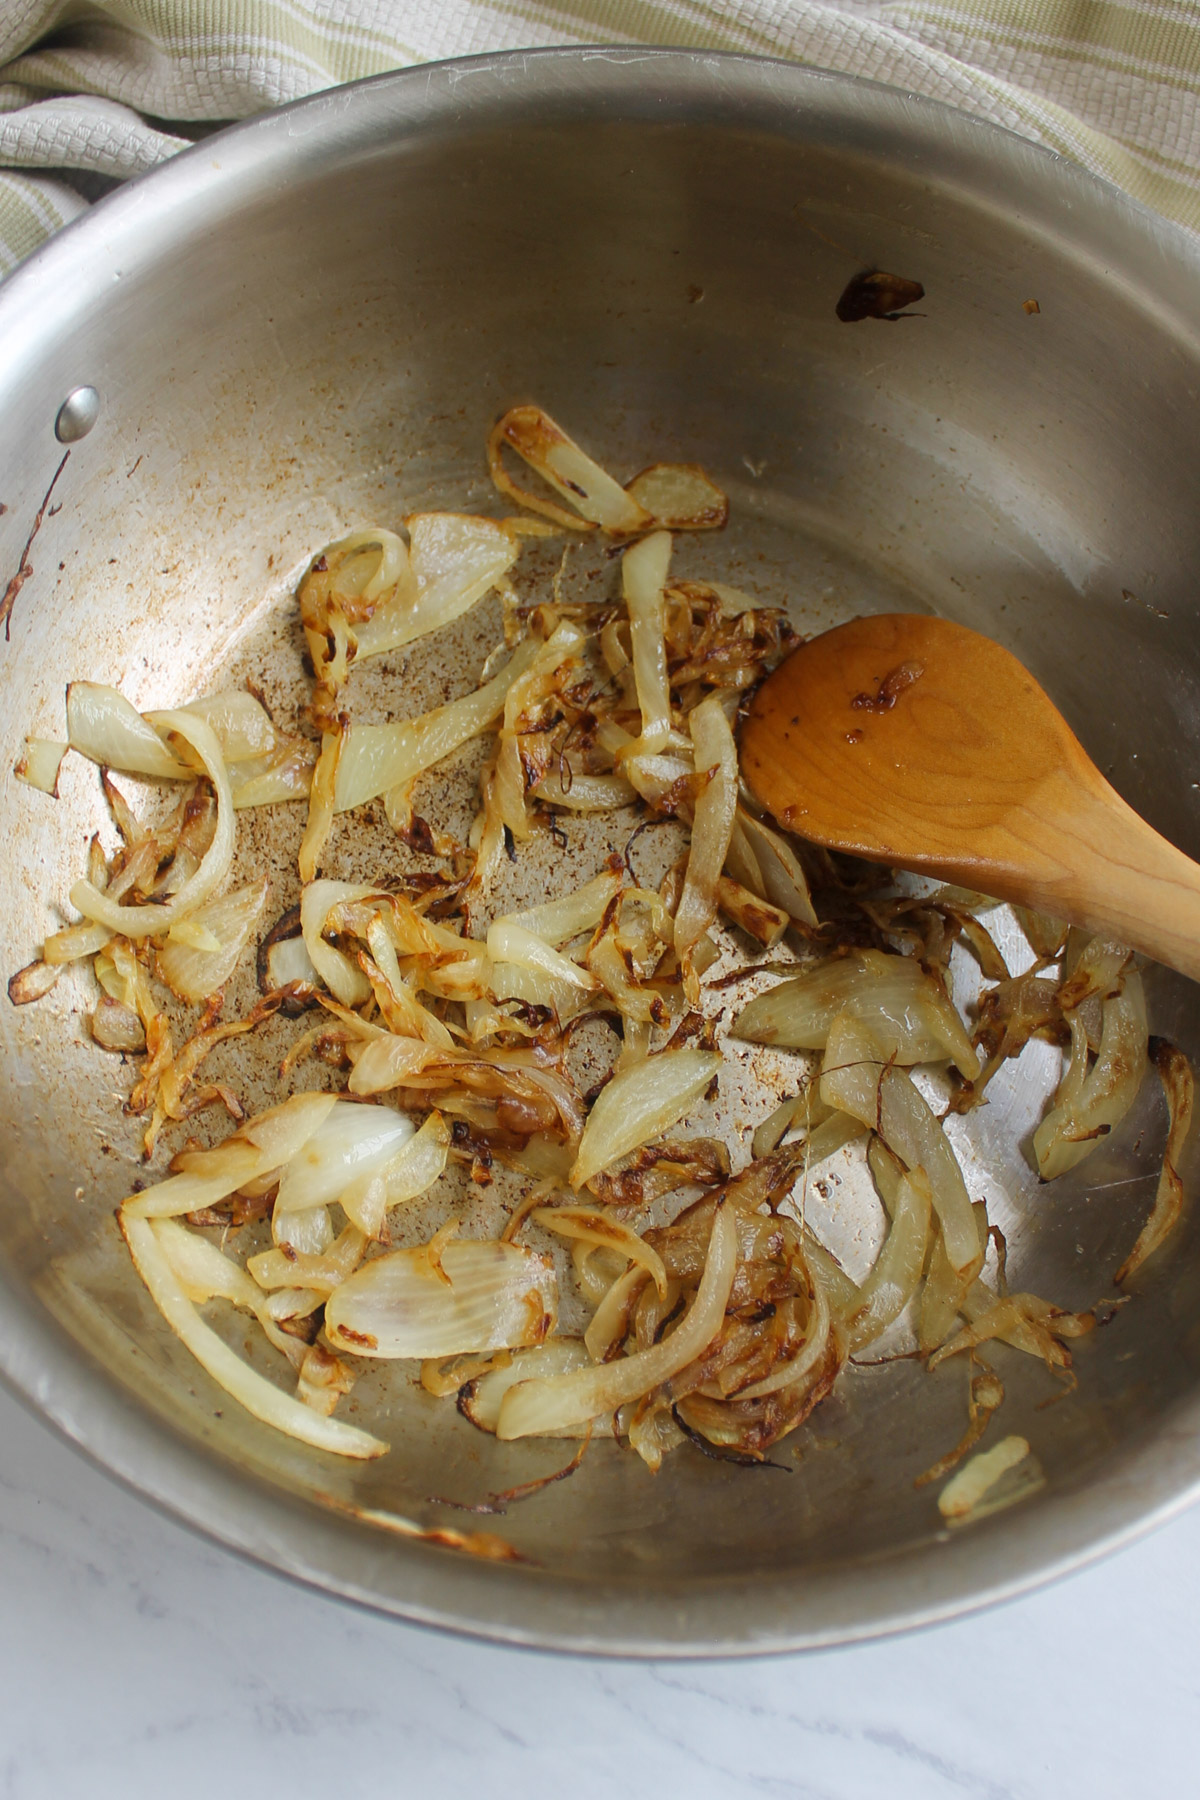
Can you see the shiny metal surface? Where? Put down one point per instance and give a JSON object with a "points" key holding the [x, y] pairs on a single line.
{"points": [[77, 415], [308, 323]]}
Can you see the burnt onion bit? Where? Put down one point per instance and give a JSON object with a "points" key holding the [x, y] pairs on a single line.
{"points": [[877, 295]]}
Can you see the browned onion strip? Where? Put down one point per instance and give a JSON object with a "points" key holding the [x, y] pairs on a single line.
{"points": [[156, 921], [1022, 1320], [533, 1407], [33, 982], [1092, 1101], [595, 497], [802, 1365], [323, 1270], [40, 764], [756, 916], [481, 1398], [643, 575], [609, 1324], [589, 1225], [1179, 1086], [986, 1397]]}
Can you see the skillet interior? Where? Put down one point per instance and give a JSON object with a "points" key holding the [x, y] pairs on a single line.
{"points": [[309, 323]]}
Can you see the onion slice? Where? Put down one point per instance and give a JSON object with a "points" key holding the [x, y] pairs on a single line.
{"points": [[480, 1399], [1088, 1105], [106, 728], [556, 921], [116, 1026], [532, 1408], [593, 495], [908, 1012], [193, 974], [377, 758], [344, 979], [351, 1143], [643, 575], [206, 1273], [156, 921], [40, 764], [764, 861], [275, 780], [508, 942], [244, 1384], [716, 754], [202, 1177], [639, 1104], [859, 1079], [320, 1270], [242, 725], [680, 497], [894, 1279], [75, 942], [33, 982], [1179, 1085], [807, 1358], [455, 559], [479, 1295], [584, 793], [588, 1225], [410, 1173]]}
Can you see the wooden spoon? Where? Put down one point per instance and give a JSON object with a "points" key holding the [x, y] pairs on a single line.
{"points": [[913, 741]]}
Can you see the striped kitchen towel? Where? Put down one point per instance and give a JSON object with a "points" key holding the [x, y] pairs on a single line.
{"points": [[93, 91]]}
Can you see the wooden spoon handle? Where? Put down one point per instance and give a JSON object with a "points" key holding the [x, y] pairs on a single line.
{"points": [[1126, 880], [1078, 851]]}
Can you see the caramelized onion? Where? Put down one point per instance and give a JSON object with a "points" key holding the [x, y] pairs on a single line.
{"points": [[156, 921], [533, 1407], [1179, 1086], [593, 495], [483, 1024]]}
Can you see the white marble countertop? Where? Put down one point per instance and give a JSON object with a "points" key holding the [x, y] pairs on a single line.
{"points": [[137, 1659]]}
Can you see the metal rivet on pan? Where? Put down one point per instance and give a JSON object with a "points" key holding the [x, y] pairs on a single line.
{"points": [[77, 414]]}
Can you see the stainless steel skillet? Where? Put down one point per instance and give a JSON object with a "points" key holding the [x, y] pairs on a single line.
{"points": [[309, 322]]}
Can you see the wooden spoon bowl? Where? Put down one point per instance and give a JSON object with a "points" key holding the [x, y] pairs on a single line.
{"points": [[913, 741]]}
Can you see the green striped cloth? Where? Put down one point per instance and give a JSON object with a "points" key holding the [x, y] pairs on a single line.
{"points": [[93, 91]]}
